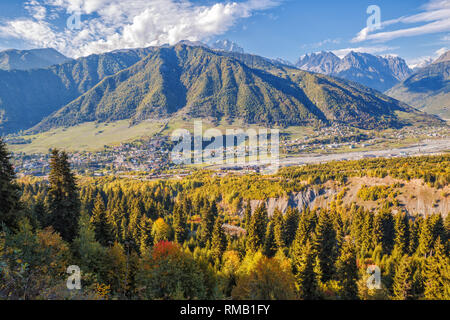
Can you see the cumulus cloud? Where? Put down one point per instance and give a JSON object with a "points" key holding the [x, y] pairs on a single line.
{"points": [[434, 18], [115, 24]]}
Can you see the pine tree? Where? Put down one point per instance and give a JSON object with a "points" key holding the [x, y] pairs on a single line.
{"points": [[103, 230], [88, 251], [403, 280], [437, 274], [257, 230], [446, 240], [367, 233], [270, 245], [347, 270], [303, 263], [384, 230], [426, 238], [219, 240], [209, 215], [146, 240], [402, 233], [437, 227], [291, 225], [63, 201], [415, 230], [278, 228], [325, 246], [9, 191], [180, 224], [247, 215]]}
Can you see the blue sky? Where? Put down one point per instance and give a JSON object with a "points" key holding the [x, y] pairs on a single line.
{"points": [[413, 29]]}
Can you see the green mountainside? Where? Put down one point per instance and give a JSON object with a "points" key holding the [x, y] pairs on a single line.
{"points": [[428, 89], [26, 97], [197, 82]]}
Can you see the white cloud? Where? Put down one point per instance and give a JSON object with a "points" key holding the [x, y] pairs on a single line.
{"points": [[115, 24], [426, 60], [322, 43], [372, 50], [434, 19]]}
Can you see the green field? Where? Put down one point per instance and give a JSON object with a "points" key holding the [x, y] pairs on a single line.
{"points": [[90, 136]]}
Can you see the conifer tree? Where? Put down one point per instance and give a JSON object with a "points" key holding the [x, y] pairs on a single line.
{"points": [[180, 224], [437, 274], [403, 280], [63, 200], [257, 230], [367, 233], [325, 246], [270, 245], [303, 263], [291, 225], [278, 228], [415, 230], [426, 238], [437, 227], [339, 228], [9, 191], [209, 215], [146, 240], [99, 219], [247, 215], [347, 270], [219, 240], [402, 233], [88, 251], [384, 230]]}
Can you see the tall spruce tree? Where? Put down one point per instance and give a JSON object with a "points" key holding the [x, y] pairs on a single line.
{"points": [[402, 233], [426, 238], [347, 270], [180, 224], [437, 274], [247, 215], [415, 228], [257, 230], [99, 219], [384, 229], [9, 191], [305, 276], [146, 240], [63, 200], [291, 225], [404, 279], [219, 240], [270, 245], [325, 246], [209, 215], [278, 227]]}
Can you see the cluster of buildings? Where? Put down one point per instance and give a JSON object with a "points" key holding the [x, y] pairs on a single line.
{"points": [[150, 156]]}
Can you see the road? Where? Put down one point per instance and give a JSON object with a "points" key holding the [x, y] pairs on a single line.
{"points": [[426, 147]]}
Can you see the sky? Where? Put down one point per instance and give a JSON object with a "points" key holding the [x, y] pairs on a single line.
{"points": [[416, 30]]}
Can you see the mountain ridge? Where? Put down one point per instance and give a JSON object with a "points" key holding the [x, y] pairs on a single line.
{"points": [[199, 82], [13, 59], [376, 72], [428, 89]]}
